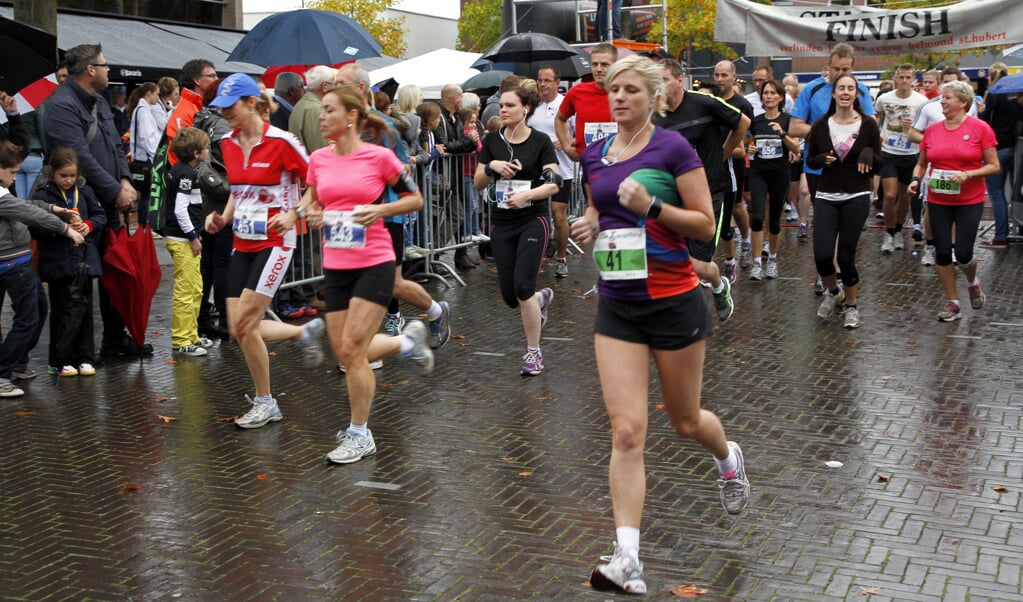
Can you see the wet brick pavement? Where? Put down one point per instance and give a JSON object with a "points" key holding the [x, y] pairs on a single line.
{"points": [[488, 486]]}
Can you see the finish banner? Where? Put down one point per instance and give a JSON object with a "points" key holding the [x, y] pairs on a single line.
{"points": [[814, 30]]}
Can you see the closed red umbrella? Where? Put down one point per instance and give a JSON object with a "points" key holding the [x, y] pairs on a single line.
{"points": [[131, 275]]}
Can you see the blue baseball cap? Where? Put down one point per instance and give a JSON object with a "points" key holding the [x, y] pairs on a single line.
{"points": [[233, 88]]}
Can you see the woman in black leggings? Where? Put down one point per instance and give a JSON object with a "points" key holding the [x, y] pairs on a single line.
{"points": [[846, 145], [520, 166], [769, 174]]}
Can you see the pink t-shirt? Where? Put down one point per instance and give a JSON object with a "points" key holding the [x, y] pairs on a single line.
{"points": [[961, 149], [344, 182]]}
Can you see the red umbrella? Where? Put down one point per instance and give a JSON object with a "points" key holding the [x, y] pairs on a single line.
{"points": [[131, 275], [269, 76]]}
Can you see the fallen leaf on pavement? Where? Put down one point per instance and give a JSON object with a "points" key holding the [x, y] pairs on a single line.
{"points": [[271, 353], [262, 477], [508, 459], [133, 488], [161, 398], [526, 473], [24, 413], [731, 350], [688, 591], [848, 343], [458, 337], [867, 591], [171, 362], [659, 406], [1000, 488], [228, 419], [166, 419], [882, 478]]}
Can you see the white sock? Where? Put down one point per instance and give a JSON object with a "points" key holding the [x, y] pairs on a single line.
{"points": [[628, 540], [434, 312], [759, 261], [532, 348], [359, 429], [407, 343], [266, 399], [720, 287], [729, 465], [772, 256]]}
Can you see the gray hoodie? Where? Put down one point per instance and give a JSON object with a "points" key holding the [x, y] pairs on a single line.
{"points": [[16, 215]]}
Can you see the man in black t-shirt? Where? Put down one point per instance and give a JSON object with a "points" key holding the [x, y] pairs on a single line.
{"points": [[702, 120], [724, 77]]}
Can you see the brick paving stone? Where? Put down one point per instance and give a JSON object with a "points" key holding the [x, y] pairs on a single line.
{"points": [[501, 481]]}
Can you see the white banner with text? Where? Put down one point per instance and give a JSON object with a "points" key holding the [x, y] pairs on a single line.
{"points": [[814, 30]]}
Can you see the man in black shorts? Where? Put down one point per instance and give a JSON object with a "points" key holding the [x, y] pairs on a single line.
{"points": [[702, 119], [725, 78]]}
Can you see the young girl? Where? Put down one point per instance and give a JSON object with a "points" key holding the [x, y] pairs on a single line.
{"points": [[69, 268], [470, 119], [17, 277]]}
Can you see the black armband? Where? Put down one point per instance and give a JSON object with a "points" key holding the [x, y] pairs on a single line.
{"points": [[915, 179], [549, 176], [405, 184]]}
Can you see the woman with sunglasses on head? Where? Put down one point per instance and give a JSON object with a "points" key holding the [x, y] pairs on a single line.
{"points": [[520, 168], [769, 146], [648, 191]]}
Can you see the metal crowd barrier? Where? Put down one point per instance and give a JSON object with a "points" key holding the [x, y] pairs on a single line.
{"points": [[454, 216]]}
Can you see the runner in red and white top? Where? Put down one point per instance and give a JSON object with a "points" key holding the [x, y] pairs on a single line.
{"points": [[264, 166], [264, 184]]}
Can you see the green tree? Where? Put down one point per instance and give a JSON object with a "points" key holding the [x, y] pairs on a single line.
{"points": [[390, 32], [480, 25], [691, 25]]}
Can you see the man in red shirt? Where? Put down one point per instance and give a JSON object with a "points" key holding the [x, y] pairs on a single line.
{"points": [[197, 75], [588, 103]]}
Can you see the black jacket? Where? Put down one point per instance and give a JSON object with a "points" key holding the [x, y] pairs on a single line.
{"points": [[66, 122], [58, 257], [452, 134], [844, 175]]}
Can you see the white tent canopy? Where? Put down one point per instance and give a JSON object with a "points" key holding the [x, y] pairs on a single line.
{"points": [[430, 71]]}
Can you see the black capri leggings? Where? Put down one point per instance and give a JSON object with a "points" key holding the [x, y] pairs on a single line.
{"points": [[842, 220], [519, 251], [966, 219], [738, 168], [764, 184]]}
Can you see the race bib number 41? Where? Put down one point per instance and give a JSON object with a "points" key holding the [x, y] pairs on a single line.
{"points": [[620, 254]]}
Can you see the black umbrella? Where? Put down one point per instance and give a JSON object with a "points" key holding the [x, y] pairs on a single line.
{"points": [[485, 80], [305, 37], [569, 69], [389, 86], [30, 53], [529, 48]]}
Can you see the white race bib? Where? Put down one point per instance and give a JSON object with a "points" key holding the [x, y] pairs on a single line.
{"points": [[898, 141], [340, 231], [250, 223], [599, 130], [503, 187], [769, 148], [621, 254], [940, 182]]}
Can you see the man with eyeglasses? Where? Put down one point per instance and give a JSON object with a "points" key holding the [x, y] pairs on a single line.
{"points": [[762, 74], [543, 120], [77, 116], [197, 76]]}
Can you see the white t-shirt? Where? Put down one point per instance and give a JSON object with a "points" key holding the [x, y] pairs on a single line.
{"points": [[542, 120], [930, 113], [890, 111]]}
